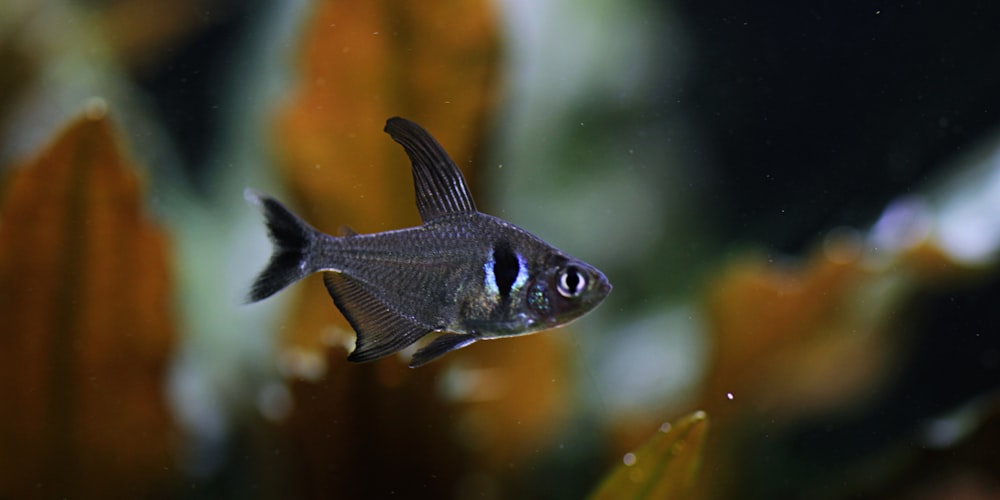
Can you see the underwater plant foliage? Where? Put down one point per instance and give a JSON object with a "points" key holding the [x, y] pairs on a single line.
{"points": [[88, 331], [825, 351]]}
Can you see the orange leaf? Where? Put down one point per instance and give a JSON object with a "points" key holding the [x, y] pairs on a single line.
{"points": [[363, 62], [797, 339], [85, 302]]}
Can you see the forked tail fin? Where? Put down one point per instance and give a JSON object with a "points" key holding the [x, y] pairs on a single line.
{"points": [[292, 238]]}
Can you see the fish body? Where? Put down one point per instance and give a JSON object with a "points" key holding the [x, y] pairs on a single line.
{"points": [[463, 272]]}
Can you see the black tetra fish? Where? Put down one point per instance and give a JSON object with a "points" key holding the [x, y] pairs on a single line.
{"points": [[462, 271]]}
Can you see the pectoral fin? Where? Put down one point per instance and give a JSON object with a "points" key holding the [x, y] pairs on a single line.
{"points": [[381, 331], [441, 346]]}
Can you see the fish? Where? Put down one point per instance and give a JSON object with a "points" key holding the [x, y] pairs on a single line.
{"points": [[462, 273]]}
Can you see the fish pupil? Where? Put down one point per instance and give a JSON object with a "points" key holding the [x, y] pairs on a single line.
{"points": [[571, 282], [506, 267]]}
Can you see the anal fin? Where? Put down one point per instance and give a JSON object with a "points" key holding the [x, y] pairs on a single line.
{"points": [[441, 346], [381, 331]]}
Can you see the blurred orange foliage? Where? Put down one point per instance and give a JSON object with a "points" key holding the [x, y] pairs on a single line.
{"points": [[798, 339], [88, 326], [792, 340]]}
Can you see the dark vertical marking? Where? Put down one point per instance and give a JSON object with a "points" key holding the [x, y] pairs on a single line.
{"points": [[505, 267]]}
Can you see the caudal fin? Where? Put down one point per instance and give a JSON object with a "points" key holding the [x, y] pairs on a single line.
{"points": [[292, 239]]}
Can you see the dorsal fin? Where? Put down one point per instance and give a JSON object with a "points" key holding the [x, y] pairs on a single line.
{"points": [[381, 331], [441, 189]]}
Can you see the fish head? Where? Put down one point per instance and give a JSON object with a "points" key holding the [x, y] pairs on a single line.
{"points": [[564, 289]]}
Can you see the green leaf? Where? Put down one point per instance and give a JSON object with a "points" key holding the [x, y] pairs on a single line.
{"points": [[664, 467]]}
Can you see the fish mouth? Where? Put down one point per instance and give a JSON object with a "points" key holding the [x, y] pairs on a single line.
{"points": [[603, 290]]}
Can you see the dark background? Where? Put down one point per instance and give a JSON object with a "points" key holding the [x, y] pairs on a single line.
{"points": [[831, 109]]}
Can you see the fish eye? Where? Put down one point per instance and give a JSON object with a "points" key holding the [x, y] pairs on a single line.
{"points": [[571, 282]]}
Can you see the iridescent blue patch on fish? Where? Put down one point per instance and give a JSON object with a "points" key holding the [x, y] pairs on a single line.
{"points": [[538, 300], [522, 273], [490, 277]]}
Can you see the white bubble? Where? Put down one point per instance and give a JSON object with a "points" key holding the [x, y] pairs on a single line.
{"points": [[95, 108]]}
